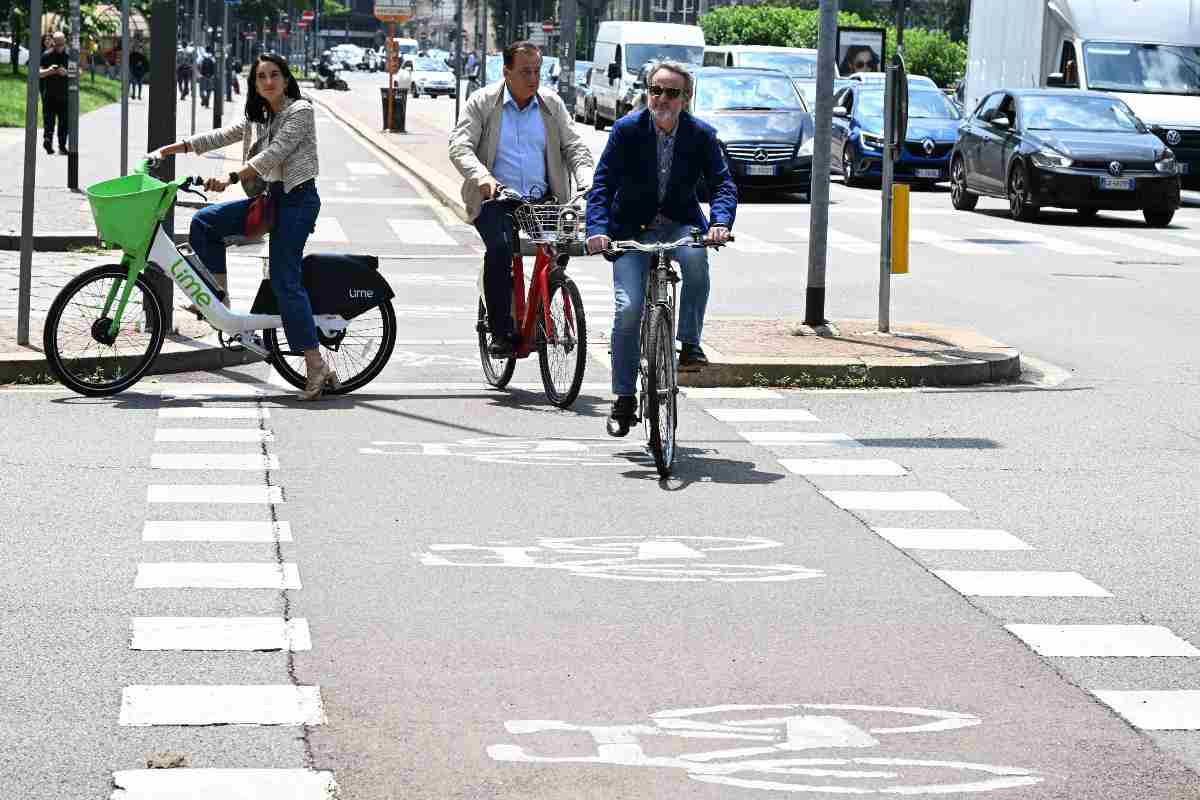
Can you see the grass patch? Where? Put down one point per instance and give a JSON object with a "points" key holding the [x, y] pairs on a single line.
{"points": [[805, 380], [92, 95]]}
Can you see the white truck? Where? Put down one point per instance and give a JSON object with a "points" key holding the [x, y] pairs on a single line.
{"points": [[1147, 52]]}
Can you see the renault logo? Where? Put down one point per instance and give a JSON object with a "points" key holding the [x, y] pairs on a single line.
{"points": [[1115, 167], [760, 155], [927, 144], [1173, 137]]}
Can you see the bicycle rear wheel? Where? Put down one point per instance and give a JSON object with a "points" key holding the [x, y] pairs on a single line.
{"points": [[661, 389], [79, 348], [356, 354], [562, 352], [496, 371]]}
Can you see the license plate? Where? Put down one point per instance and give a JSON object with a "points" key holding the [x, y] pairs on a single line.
{"points": [[1121, 184], [760, 169], [929, 173], [1184, 168]]}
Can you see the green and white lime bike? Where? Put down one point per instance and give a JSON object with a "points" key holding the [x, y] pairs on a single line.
{"points": [[106, 327]]}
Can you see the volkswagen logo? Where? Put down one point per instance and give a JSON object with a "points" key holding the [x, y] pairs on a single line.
{"points": [[1115, 167], [1173, 137], [760, 155], [927, 144]]}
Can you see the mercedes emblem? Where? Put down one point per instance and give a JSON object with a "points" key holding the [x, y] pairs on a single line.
{"points": [[1115, 167], [1173, 137], [760, 155], [927, 144]]}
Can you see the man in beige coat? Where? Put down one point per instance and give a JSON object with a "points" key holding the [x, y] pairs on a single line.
{"points": [[514, 134]]}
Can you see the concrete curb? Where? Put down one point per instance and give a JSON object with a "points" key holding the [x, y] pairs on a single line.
{"points": [[56, 242], [179, 354]]}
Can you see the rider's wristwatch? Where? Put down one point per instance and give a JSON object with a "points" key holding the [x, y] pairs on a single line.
{"points": [[234, 177]]}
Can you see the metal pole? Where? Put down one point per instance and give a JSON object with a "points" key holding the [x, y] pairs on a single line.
{"points": [[219, 94], [161, 122], [568, 20], [458, 87], [192, 65], [124, 87], [25, 279], [391, 104], [73, 101], [818, 193], [889, 154]]}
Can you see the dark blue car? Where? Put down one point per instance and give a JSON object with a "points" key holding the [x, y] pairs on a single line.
{"points": [[858, 134]]}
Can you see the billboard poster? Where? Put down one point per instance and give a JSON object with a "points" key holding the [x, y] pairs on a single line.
{"points": [[860, 50]]}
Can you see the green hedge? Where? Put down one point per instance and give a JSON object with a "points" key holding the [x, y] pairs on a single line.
{"points": [[929, 53]]}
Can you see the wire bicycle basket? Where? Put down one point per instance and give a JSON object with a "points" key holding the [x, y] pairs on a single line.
{"points": [[550, 223]]}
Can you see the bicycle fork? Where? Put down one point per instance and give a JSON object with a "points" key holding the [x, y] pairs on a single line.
{"points": [[661, 291]]}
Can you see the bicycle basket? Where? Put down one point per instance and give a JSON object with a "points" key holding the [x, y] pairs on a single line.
{"points": [[552, 224], [125, 210]]}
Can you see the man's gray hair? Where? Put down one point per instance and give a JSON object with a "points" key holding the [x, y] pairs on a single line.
{"points": [[678, 68]]}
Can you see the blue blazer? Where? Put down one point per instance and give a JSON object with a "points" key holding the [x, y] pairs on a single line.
{"points": [[624, 196]]}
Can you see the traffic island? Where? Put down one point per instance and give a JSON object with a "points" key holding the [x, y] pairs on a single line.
{"points": [[745, 351]]}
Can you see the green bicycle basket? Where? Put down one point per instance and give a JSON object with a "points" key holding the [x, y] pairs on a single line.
{"points": [[126, 209]]}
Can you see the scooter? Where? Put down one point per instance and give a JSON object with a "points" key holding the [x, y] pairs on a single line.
{"points": [[329, 78]]}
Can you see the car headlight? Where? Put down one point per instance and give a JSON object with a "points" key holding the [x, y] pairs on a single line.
{"points": [[871, 142], [1050, 159], [806, 149], [1166, 165]]}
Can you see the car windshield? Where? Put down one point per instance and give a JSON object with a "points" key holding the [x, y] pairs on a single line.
{"points": [[638, 54], [492, 70], [581, 68], [930, 105], [549, 67], [1148, 68], [868, 107], [428, 65], [747, 92], [1078, 113], [798, 65]]}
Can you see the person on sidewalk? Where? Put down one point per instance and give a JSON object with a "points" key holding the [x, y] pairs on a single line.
{"points": [[139, 65], [232, 68], [284, 154], [183, 71], [645, 188], [518, 135], [54, 83], [207, 66]]}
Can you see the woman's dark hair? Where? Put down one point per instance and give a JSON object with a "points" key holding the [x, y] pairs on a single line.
{"points": [[256, 107], [852, 54]]}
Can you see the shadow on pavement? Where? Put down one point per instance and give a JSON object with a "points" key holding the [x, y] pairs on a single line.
{"points": [[934, 443], [692, 467]]}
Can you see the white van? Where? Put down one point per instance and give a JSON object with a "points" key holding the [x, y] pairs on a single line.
{"points": [[623, 47], [406, 49]]}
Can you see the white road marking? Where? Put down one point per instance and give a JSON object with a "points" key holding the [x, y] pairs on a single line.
{"points": [[762, 415], [839, 240], [952, 244], [1130, 240], [249, 462], [209, 390], [1005, 583], [220, 633], [214, 493], [746, 243], [1054, 244], [365, 168], [213, 435], [843, 466], [799, 438], [213, 413], [222, 705], [894, 501], [215, 531], [1165, 710], [421, 231], [729, 393], [328, 229], [431, 312], [227, 784], [371, 201], [951, 539], [217, 575], [657, 548], [1103, 641]]}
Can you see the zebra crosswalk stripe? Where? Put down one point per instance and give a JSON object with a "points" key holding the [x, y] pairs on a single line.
{"points": [[1056, 245], [1141, 242], [421, 231], [952, 244]]}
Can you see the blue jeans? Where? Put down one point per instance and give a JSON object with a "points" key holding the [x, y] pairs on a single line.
{"points": [[295, 218], [495, 226], [630, 272]]}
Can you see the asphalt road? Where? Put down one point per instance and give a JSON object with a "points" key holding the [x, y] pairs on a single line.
{"points": [[502, 602]]}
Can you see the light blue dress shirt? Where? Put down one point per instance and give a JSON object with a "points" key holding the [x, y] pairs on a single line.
{"points": [[521, 152]]}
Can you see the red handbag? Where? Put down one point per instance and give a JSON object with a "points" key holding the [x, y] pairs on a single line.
{"points": [[260, 217]]}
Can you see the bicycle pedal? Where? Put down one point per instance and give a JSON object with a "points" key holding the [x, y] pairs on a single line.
{"points": [[251, 342]]}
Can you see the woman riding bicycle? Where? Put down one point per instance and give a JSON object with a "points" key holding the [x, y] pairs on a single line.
{"points": [[285, 157]]}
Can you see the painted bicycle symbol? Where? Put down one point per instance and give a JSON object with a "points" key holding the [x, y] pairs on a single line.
{"points": [[580, 452], [767, 739], [667, 558]]}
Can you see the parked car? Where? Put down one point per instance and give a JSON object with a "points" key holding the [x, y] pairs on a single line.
{"points": [[583, 92], [879, 77], [764, 127], [857, 143], [1065, 148], [493, 69], [808, 89], [6, 53], [551, 70], [372, 61], [431, 77]]}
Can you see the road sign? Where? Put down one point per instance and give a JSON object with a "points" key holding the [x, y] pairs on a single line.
{"points": [[305, 16], [394, 10], [302, 23], [548, 26]]}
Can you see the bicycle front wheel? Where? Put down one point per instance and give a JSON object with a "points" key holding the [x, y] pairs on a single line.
{"points": [[661, 389], [81, 351], [562, 350], [356, 354], [496, 371]]}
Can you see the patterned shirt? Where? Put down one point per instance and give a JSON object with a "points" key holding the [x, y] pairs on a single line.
{"points": [[666, 153]]}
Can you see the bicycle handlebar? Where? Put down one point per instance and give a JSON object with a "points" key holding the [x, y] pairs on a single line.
{"points": [[626, 245], [506, 195]]}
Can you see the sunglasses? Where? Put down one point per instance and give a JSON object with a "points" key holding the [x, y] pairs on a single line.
{"points": [[670, 92]]}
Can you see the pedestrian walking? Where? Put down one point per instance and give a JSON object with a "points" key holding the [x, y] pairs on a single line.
{"points": [[232, 68], [207, 66], [183, 71], [139, 65], [284, 155], [518, 135], [53, 81]]}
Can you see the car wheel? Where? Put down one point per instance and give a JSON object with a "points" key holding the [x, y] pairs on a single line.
{"points": [[1018, 195], [1087, 213], [849, 176], [959, 196], [1158, 217]]}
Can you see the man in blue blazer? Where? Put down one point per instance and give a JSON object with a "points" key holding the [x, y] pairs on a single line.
{"points": [[645, 189]]}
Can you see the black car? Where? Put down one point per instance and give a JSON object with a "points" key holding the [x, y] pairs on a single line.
{"points": [[763, 125], [1064, 148]]}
